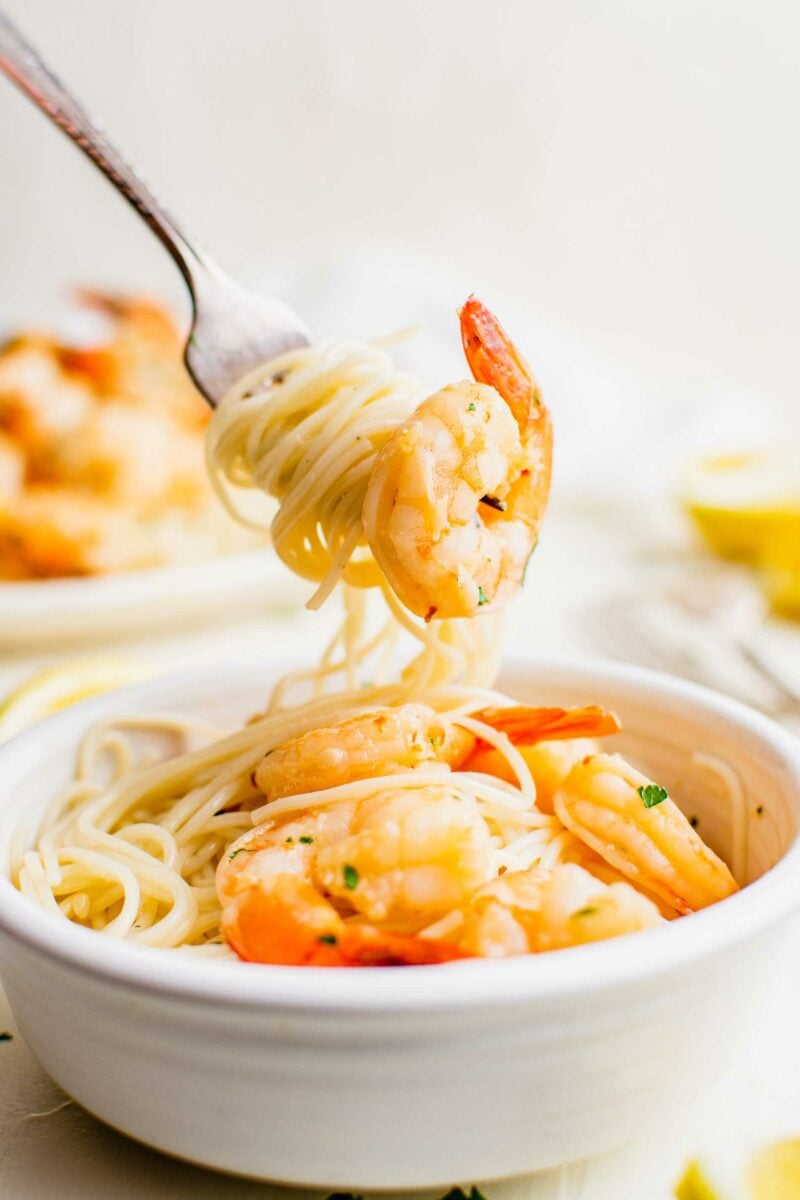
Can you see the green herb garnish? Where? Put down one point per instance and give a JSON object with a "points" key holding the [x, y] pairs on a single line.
{"points": [[760, 810], [289, 841], [328, 939], [652, 794], [482, 597], [589, 911], [471, 407], [454, 1194], [350, 876], [306, 840], [460, 1194], [6, 1036], [233, 853]]}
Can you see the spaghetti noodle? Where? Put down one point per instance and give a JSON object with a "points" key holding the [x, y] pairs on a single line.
{"points": [[165, 837]]}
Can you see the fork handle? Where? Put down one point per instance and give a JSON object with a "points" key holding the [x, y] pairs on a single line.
{"points": [[23, 65]]}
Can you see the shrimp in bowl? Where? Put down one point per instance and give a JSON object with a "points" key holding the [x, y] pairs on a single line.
{"points": [[405, 836]]}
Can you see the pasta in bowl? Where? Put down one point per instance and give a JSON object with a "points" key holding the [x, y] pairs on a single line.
{"points": [[411, 834], [420, 819]]}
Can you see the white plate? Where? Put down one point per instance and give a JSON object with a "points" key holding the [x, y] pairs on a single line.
{"points": [[69, 610]]}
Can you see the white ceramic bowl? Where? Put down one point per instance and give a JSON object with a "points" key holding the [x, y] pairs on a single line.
{"points": [[416, 1077]]}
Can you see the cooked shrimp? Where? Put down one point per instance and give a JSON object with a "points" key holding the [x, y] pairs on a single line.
{"points": [[457, 494], [549, 760], [391, 740], [385, 741], [602, 801], [403, 855], [529, 911], [52, 531], [12, 469], [417, 853]]}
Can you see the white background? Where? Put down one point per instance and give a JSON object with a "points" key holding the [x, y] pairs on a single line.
{"points": [[627, 168]]}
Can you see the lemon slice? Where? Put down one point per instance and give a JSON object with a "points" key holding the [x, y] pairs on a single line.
{"points": [[745, 1169], [739, 501], [694, 1185], [49, 691], [780, 566], [774, 1173]]}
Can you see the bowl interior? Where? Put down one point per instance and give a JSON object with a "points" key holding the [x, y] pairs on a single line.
{"points": [[723, 773]]}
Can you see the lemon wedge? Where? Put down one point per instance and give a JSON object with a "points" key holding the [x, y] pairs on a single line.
{"points": [[694, 1185], [49, 691], [741, 502], [774, 1173], [743, 1170], [780, 566]]}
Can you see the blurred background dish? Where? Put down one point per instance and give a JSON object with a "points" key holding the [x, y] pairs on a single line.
{"points": [[108, 524], [101, 449]]}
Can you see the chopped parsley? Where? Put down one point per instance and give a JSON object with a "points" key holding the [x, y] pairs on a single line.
{"points": [[589, 911], [760, 810], [482, 597], [652, 794], [454, 1194], [350, 876], [460, 1194], [328, 939], [289, 841], [233, 853], [5, 1036], [306, 840], [471, 407]]}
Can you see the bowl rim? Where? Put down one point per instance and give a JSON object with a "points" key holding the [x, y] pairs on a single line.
{"points": [[476, 983]]}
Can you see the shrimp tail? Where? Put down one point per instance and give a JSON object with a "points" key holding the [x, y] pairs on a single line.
{"points": [[285, 922], [494, 359], [525, 724], [288, 923], [366, 946]]}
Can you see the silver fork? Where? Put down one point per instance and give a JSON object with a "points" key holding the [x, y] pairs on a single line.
{"points": [[232, 329]]}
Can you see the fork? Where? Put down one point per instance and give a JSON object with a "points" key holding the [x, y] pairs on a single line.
{"points": [[232, 330]]}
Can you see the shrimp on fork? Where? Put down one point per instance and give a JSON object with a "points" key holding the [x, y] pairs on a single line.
{"points": [[457, 494]]}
